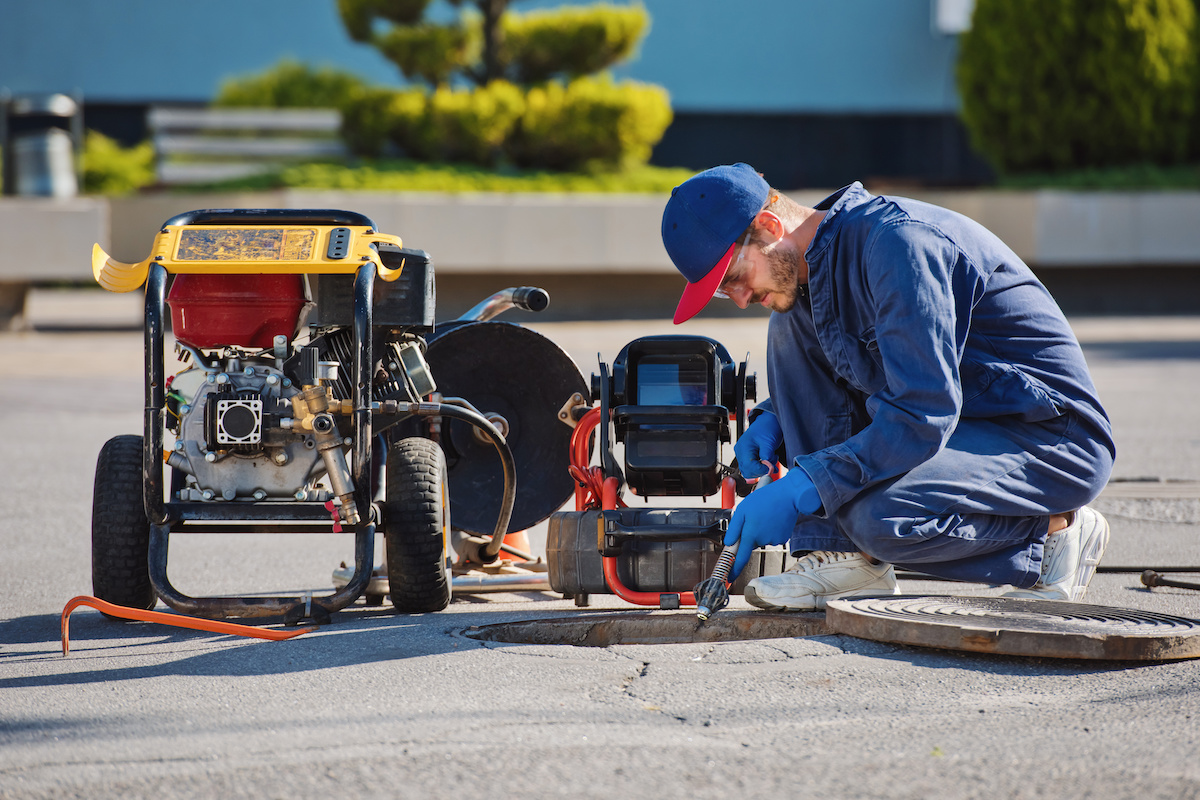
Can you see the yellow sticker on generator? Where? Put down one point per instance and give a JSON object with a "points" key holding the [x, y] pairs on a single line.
{"points": [[245, 244]]}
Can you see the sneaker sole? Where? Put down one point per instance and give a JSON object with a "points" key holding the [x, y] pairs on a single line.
{"points": [[818, 602], [753, 599], [1093, 551]]}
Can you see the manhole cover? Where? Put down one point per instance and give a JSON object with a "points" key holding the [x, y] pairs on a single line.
{"points": [[602, 630], [1009, 626]]}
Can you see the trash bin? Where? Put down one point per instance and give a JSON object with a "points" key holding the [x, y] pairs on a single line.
{"points": [[41, 137], [43, 164]]}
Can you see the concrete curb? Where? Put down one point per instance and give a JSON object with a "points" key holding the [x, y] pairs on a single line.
{"points": [[578, 238]]}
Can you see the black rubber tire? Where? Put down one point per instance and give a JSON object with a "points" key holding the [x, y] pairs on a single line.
{"points": [[120, 530], [416, 523]]}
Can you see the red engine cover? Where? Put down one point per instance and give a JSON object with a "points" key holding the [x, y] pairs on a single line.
{"points": [[235, 310]]}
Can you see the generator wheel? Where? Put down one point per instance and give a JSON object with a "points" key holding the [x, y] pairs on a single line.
{"points": [[120, 530], [416, 524]]}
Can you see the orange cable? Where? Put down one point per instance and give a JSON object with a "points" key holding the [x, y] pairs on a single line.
{"points": [[178, 620]]}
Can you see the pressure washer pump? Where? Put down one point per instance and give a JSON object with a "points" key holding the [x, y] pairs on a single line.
{"points": [[305, 405]]}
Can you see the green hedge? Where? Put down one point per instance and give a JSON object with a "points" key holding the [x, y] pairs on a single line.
{"points": [[589, 123], [1060, 85], [109, 168], [470, 125], [376, 120], [358, 15], [291, 84], [422, 176], [570, 41], [430, 52]]}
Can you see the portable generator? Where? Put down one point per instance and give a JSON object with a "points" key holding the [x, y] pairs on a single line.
{"points": [[306, 403]]}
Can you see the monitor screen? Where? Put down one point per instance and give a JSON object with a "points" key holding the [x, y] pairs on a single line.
{"points": [[674, 380]]}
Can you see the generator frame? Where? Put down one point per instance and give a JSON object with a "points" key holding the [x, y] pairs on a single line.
{"points": [[357, 255]]}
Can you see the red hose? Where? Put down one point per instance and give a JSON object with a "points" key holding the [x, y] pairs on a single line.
{"points": [[638, 598], [589, 481]]}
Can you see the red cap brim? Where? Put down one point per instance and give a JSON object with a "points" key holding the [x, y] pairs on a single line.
{"points": [[696, 295]]}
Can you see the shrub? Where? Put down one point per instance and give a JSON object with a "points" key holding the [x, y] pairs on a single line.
{"points": [[377, 121], [291, 84], [358, 15], [1079, 83], [570, 41], [111, 169], [454, 125], [591, 123], [430, 52], [421, 176], [472, 124]]}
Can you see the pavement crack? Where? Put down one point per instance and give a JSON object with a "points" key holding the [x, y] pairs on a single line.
{"points": [[628, 681], [787, 656]]}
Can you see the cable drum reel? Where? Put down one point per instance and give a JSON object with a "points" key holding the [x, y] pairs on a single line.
{"points": [[670, 401], [519, 380]]}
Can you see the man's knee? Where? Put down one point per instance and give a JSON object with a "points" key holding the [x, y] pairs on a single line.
{"points": [[892, 530], [870, 521]]}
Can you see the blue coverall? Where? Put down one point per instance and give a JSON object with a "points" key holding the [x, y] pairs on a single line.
{"points": [[933, 391]]}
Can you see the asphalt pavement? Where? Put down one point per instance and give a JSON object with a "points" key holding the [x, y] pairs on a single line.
{"points": [[381, 705]]}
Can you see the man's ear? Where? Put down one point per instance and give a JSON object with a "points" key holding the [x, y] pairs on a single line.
{"points": [[770, 224]]}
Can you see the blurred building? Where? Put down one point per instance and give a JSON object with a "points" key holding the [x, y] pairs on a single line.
{"points": [[813, 93]]}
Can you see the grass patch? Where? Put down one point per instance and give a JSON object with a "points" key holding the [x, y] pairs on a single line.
{"points": [[400, 175], [1135, 177]]}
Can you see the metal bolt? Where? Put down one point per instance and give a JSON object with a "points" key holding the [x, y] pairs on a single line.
{"points": [[259, 494], [272, 380], [287, 382], [210, 457], [207, 494], [185, 408], [210, 378], [222, 378], [248, 371], [282, 457], [179, 447], [301, 494], [229, 494]]}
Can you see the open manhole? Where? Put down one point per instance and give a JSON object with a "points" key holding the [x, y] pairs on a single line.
{"points": [[602, 630]]}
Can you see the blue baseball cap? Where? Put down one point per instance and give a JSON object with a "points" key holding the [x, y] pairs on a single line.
{"points": [[701, 224]]}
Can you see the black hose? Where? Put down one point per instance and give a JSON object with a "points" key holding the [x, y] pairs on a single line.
{"points": [[921, 576], [492, 550]]}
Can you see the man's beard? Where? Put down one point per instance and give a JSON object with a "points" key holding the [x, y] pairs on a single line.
{"points": [[784, 269]]}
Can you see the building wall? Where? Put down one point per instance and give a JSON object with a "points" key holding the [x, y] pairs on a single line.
{"points": [[712, 55], [814, 93]]}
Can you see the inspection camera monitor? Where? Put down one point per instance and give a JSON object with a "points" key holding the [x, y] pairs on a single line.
{"points": [[671, 400]]}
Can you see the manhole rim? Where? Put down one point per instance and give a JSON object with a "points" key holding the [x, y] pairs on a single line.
{"points": [[588, 630], [849, 617]]}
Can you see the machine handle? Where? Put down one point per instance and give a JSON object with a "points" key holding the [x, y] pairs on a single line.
{"points": [[527, 298]]}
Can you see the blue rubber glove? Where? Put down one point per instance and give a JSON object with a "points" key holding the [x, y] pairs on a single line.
{"points": [[757, 444], [768, 514]]}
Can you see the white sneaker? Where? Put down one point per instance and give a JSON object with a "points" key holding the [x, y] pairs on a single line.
{"points": [[1070, 559], [818, 577]]}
